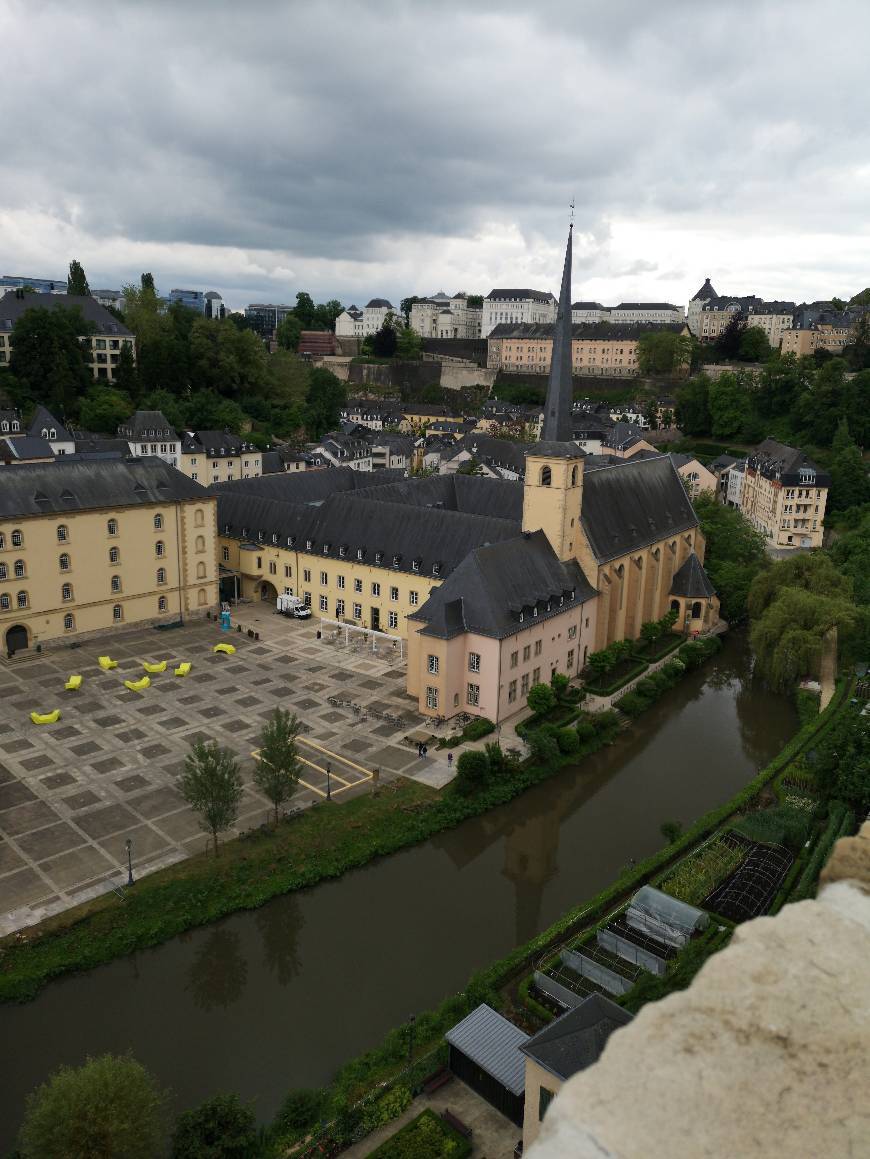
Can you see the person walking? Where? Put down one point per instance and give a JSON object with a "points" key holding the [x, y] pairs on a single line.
{"points": [[450, 760], [425, 752]]}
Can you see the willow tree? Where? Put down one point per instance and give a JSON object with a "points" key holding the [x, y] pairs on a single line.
{"points": [[788, 636]]}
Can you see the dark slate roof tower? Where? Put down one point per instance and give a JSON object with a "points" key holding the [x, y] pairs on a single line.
{"points": [[557, 410]]}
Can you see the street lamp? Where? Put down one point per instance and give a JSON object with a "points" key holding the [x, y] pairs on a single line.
{"points": [[129, 844], [411, 1022], [328, 788]]}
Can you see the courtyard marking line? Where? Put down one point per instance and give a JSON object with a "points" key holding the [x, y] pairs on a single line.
{"points": [[321, 769]]}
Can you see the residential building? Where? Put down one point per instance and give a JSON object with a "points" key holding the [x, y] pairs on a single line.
{"points": [[624, 440], [696, 305], [113, 298], [720, 469], [266, 317], [103, 346], [597, 349], [831, 331], [86, 546], [372, 413], [10, 422], [356, 323], [17, 449], [633, 313], [515, 307], [446, 317], [149, 432], [734, 485], [218, 457], [391, 452], [588, 312], [44, 425], [343, 451], [774, 318], [784, 495], [694, 474], [419, 416]]}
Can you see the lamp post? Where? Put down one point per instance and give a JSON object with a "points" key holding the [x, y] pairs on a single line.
{"points": [[328, 788], [129, 844], [411, 1022]]}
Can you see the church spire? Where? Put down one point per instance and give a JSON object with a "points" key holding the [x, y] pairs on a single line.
{"points": [[557, 412]]}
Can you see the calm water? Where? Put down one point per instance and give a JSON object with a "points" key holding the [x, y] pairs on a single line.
{"points": [[280, 997]]}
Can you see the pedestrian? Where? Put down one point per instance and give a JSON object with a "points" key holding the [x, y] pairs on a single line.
{"points": [[419, 748], [450, 760], [425, 750]]}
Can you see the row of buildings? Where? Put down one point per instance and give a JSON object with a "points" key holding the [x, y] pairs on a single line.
{"points": [[206, 302]]}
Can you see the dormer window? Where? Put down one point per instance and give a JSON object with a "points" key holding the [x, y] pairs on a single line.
{"points": [[436, 569], [397, 559], [535, 610], [259, 537], [309, 543], [291, 539], [244, 532], [274, 537], [415, 565], [342, 551], [522, 616], [226, 529], [360, 553], [326, 549], [379, 557]]}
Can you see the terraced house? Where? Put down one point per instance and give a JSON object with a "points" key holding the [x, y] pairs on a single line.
{"points": [[89, 545]]}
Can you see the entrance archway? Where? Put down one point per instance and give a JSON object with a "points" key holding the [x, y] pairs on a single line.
{"points": [[268, 591], [17, 639]]}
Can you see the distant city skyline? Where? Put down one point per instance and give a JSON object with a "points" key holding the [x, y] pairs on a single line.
{"points": [[366, 150]]}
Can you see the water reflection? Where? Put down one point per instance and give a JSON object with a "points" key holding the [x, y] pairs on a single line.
{"points": [[279, 925], [218, 973]]}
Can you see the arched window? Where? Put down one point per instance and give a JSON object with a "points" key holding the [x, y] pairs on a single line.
{"points": [[198, 518], [19, 569], [200, 571], [66, 592], [69, 622], [117, 613], [22, 599], [116, 583], [162, 604], [696, 610], [160, 549], [675, 606], [158, 522], [161, 575], [573, 476], [62, 533], [546, 476], [200, 543], [114, 555], [201, 598], [17, 539], [63, 561], [112, 527]]}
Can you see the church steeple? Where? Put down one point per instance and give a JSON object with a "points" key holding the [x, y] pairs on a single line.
{"points": [[557, 411]]}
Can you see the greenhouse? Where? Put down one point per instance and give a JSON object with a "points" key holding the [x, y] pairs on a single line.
{"points": [[659, 916]]}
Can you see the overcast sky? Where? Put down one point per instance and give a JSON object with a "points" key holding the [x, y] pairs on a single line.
{"points": [[387, 148]]}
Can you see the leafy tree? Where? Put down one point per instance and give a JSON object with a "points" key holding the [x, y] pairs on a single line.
{"points": [[693, 406], [559, 683], [779, 384], [470, 467], [663, 352], [814, 573], [495, 758], [409, 345], [325, 314], [652, 631], [541, 698], [126, 379], [600, 663], [304, 310], [107, 1108], [728, 342], [731, 410], [77, 283], [754, 345], [289, 330], [671, 831], [301, 1109], [735, 553], [224, 359], [850, 485], [472, 770], [49, 357], [384, 342], [405, 307], [104, 409], [168, 404], [220, 1128], [147, 283], [474, 301], [212, 785], [278, 767], [324, 400]]}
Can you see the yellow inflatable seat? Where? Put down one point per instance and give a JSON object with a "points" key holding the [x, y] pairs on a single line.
{"points": [[73, 684], [227, 649], [183, 669], [138, 685], [106, 662], [45, 717], [161, 667]]}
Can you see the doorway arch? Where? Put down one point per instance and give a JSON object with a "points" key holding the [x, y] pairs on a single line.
{"points": [[17, 639], [268, 591]]}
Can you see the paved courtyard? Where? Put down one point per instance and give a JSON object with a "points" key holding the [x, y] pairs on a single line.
{"points": [[72, 793]]}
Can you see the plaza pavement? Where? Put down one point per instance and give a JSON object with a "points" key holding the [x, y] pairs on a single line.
{"points": [[72, 793]]}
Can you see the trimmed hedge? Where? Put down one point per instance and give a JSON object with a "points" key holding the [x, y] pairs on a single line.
{"points": [[619, 682], [840, 822]]}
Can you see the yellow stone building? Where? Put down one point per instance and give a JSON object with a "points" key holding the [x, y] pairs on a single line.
{"points": [[604, 348], [86, 546], [103, 346], [784, 495]]}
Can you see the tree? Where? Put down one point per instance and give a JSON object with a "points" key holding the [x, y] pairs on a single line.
{"points": [[104, 409], [227, 360], [107, 1108], [693, 406], [671, 831], [50, 357], [384, 342], [850, 486], [212, 785], [663, 351], [323, 402], [474, 301], [288, 332], [754, 345], [220, 1128], [126, 379], [541, 698], [304, 309], [728, 342], [146, 281], [405, 307], [734, 556], [469, 467], [730, 401], [559, 683], [409, 345], [472, 770], [77, 283], [278, 766], [652, 631], [326, 313]]}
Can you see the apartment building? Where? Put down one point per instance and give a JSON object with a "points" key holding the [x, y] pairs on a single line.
{"points": [[831, 332], [516, 307], [45, 426], [86, 546], [774, 318], [218, 457], [600, 348], [103, 346], [784, 494], [360, 323], [149, 432], [441, 316], [696, 478]]}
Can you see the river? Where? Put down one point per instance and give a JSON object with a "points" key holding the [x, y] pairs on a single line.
{"points": [[279, 997]]}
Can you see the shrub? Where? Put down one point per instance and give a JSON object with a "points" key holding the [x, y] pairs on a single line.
{"points": [[607, 721], [495, 758], [780, 825], [585, 730], [301, 1109], [674, 668], [559, 684], [632, 704], [541, 698], [646, 688], [426, 1137], [220, 1128], [476, 729], [568, 741], [387, 1108], [544, 747], [472, 770]]}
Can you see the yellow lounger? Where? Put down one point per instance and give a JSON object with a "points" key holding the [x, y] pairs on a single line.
{"points": [[73, 684], [138, 685], [161, 667], [227, 649], [183, 669], [106, 662], [45, 717]]}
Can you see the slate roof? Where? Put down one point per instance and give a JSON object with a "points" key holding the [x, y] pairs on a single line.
{"points": [[306, 487], [147, 424], [587, 306], [705, 292], [555, 449], [378, 303], [646, 306], [21, 447], [494, 498], [692, 581], [780, 462], [11, 309], [576, 1039], [534, 295], [721, 463], [632, 504], [560, 385], [624, 434], [589, 331], [271, 462], [214, 444], [496, 452], [84, 485], [487, 1038], [92, 445], [44, 420], [496, 583]]}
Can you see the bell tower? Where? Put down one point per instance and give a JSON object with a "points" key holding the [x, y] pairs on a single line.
{"points": [[553, 495]]}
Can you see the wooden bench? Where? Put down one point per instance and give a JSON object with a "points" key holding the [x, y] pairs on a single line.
{"points": [[457, 1124], [437, 1079]]}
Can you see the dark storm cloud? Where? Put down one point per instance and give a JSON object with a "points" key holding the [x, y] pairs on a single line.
{"points": [[327, 130]]}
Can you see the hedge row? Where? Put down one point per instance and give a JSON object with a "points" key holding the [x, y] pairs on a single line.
{"points": [[840, 822], [626, 678]]}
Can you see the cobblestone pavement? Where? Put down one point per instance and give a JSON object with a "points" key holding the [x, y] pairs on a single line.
{"points": [[73, 792]]}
